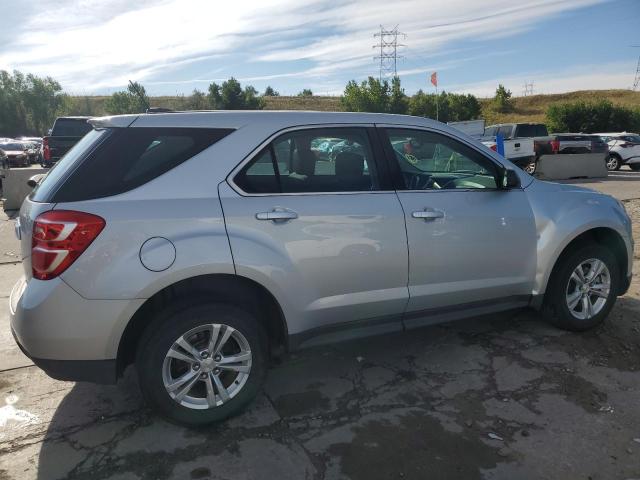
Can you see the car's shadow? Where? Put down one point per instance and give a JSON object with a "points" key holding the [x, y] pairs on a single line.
{"points": [[98, 431]]}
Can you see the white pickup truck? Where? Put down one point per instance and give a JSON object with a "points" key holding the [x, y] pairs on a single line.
{"points": [[520, 151]]}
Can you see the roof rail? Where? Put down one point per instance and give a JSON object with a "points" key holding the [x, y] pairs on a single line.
{"points": [[159, 110]]}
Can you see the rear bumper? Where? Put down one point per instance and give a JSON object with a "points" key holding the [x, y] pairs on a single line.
{"points": [[522, 161], [95, 371], [68, 336]]}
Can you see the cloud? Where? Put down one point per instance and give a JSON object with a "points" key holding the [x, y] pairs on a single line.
{"points": [[585, 77], [98, 45]]}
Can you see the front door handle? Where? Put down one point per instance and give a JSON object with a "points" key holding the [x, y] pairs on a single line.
{"points": [[276, 215], [428, 214]]}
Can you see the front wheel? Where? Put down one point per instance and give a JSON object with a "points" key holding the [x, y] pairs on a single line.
{"points": [[583, 289], [613, 163], [201, 363]]}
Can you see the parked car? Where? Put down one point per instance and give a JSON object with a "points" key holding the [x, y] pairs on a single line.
{"points": [[520, 151], [65, 133], [17, 153], [624, 149], [198, 250], [4, 161], [517, 133], [32, 149]]}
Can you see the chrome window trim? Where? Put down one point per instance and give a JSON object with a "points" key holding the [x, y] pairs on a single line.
{"points": [[256, 151]]}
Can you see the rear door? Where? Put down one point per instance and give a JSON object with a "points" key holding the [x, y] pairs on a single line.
{"points": [[470, 243], [312, 216]]}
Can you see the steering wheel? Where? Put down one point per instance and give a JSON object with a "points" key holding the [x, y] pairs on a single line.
{"points": [[463, 175]]}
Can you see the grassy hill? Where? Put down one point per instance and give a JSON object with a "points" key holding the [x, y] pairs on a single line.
{"points": [[526, 109]]}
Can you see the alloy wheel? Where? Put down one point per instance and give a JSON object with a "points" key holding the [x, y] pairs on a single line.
{"points": [[588, 289], [612, 163], [207, 366]]}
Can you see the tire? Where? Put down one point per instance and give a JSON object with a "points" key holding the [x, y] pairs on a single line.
{"points": [[530, 167], [561, 285], [635, 167], [155, 369], [613, 162]]}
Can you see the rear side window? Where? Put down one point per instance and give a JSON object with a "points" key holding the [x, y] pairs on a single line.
{"points": [[67, 127], [130, 157]]}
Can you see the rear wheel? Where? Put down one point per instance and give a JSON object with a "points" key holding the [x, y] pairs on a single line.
{"points": [[613, 163], [582, 290], [201, 363]]}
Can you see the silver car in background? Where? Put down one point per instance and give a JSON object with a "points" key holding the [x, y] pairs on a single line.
{"points": [[199, 245]]}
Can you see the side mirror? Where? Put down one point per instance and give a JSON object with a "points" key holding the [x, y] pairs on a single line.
{"points": [[509, 179], [33, 181]]}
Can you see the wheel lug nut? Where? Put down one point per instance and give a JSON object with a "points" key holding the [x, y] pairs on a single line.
{"points": [[203, 375], [195, 366], [216, 371], [204, 354], [217, 358]]}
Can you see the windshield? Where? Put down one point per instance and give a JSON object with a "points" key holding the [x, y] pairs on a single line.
{"points": [[50, 182], [66, 127]]}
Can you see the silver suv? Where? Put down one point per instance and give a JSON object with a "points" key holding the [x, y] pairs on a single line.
{"points": [[199, 245]]}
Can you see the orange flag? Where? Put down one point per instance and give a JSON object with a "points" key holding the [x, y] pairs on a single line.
{"points": [[434, 79]]}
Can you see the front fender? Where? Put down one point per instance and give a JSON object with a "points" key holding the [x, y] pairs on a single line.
{"points": [[563, 213]]}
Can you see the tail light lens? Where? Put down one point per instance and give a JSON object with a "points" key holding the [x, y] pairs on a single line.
{"points": [[494, 147], [59, 238], [555, 146], [46, 151]]}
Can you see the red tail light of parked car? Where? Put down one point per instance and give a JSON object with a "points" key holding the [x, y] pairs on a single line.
{"points": [[59, 238]]}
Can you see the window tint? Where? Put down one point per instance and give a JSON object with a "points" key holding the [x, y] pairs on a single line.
{"points": [[314, 160], [130, 157], [431, 161], [67, 127]]}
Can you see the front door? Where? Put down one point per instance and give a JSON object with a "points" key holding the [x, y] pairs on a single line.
{"points": [[311, 218], [470, 243]]}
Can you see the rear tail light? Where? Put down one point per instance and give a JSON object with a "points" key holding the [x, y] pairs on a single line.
{"points": [[555, 146], [59, 238], [46, 151], [494, 147]]}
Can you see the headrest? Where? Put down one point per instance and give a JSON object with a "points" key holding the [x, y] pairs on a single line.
{"points": [[349, 164]]}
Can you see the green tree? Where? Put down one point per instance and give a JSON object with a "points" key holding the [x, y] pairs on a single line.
{"points": [[197, 101], [371, 95], [132, 100], [231, 96], [305, 93], [502, 101], [270, 92], [452, 107], [398, 101], [29, 104]]}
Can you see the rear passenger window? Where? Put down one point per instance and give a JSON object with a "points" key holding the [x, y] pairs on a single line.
{"points": [[130, 157], [314, 160]]}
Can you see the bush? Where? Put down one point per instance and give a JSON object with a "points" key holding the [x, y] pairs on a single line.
{"points": [[306, 93], [502, 101], [452, 107], [132, 100], [371, 95], [230, 96], [586, 117]]}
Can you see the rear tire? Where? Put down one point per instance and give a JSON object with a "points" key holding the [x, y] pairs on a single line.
{"points": [[613, 162], [530, 167], [212, 393], [565, 288]]}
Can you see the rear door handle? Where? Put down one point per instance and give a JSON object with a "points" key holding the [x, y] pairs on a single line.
{"points": [[276, 215], [428, 214]]}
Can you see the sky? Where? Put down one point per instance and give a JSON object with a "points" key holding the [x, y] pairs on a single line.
{"points": [[175, 46]]}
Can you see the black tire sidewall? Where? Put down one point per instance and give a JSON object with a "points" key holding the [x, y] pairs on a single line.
{"points": [[176, 321], [557, 308]]}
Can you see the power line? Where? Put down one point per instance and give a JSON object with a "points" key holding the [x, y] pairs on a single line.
{"points": [[528, 89], [388, 55]]}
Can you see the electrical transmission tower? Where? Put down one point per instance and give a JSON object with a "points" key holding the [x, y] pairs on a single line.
{"points": [[388, 55], [528, 89], [636, 80]]}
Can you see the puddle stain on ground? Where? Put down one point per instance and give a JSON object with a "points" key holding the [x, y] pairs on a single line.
{"points": [[419, 447]]}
